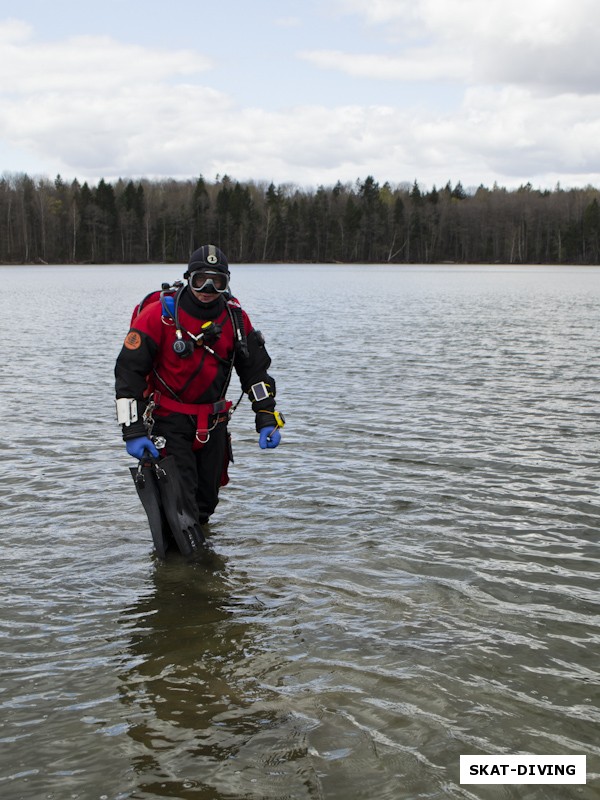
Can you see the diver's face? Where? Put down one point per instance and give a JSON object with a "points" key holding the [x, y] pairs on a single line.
{"points": [[204, 297]]}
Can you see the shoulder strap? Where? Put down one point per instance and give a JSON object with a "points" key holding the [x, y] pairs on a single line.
{"points": [[237, 320]]}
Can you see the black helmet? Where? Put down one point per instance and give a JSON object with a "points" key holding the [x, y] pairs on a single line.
{"points": [[207, 257]]}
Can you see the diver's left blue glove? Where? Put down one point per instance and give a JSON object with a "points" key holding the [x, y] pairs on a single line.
{"points": [[269, 437]]}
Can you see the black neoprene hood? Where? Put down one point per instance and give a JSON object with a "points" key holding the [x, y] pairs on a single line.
{"points": [[207, 257]]}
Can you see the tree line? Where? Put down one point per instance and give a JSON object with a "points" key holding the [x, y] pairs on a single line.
{"points": [[145, 221]]}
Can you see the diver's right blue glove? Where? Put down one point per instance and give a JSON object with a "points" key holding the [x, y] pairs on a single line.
{"points": [[137, 447]]}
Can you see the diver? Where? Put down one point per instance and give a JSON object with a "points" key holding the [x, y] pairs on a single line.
{"points": [[172, 376]]}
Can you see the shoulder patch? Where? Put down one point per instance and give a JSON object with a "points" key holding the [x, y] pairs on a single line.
{"points": [[234, 303], [133, 340]]}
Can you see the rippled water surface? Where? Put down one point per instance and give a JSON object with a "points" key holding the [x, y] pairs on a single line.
{"points": [[411, 576]]}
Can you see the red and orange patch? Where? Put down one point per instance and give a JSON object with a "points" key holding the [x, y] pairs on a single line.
{"points": [[133, 340]]}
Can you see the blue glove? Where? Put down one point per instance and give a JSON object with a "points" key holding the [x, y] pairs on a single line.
{"points": [[268, 438], [138, 447]]}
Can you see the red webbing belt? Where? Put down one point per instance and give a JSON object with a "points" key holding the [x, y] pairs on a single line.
{"points": [[202, 411]]}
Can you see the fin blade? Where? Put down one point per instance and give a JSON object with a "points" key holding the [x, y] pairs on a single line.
{"points": [[149, 494], [186, 530]]}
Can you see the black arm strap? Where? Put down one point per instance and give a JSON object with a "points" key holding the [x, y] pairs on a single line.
{"points": [[241, 341]]}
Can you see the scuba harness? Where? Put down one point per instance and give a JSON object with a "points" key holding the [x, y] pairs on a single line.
{"points": [[210, 330], [207, 415]]}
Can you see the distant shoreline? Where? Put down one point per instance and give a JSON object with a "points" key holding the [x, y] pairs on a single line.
{"points": [[363, 223], [300, 263]]}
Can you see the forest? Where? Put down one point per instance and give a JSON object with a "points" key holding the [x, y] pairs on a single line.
{"points": [[162, 221]]}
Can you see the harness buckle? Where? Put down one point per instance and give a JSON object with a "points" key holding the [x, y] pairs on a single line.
{"points": [[199, 439]]}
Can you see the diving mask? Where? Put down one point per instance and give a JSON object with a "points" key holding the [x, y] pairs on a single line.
{"points": [[209, 281]]}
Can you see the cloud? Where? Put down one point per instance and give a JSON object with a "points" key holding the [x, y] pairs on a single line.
{"points": [[14, 31], [376, 12], [426, 64], [525, 132], [548, 45], [85, 62], [546, 21], [95, 107]]}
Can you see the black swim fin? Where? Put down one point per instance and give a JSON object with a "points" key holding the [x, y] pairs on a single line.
{"points": [[186, 530], [146, 484]]}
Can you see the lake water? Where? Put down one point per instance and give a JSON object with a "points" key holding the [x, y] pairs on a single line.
{"points": [[412, 575]]}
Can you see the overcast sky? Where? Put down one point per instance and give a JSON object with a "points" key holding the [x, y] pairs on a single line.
{"points": [[307, 93]]}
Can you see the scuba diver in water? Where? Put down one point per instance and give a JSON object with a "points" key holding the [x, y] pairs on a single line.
{"points": [[172, 375]]}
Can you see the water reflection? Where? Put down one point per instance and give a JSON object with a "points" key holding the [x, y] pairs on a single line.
{"points": [[200, 721]]}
